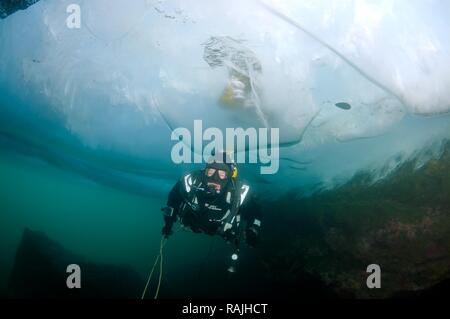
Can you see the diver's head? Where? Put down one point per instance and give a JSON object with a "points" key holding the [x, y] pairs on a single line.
{"points": [[218, 173]]}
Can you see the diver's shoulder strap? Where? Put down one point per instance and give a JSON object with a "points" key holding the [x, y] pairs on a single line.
{"points": [[244, 192], [190, 182], [187, 183], [189, 186], [232, 219], [239, 195]]}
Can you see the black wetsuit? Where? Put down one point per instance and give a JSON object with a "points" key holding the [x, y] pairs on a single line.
{"points": [[230, 214]]}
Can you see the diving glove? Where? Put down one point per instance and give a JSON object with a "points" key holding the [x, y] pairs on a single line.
{"points": [[169, 219], [167, 230]]}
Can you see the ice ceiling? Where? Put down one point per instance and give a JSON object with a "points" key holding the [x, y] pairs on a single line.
{"points": [[352, 85]]}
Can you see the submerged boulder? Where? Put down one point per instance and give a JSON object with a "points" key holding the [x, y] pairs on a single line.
{"points": [[401, 223], [40, 267]]}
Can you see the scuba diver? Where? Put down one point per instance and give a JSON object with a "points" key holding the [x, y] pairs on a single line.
{"points": [[214, 202]]}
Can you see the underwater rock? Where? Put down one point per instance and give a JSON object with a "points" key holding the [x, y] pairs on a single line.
{"points": [[40, 272], [401, 223], [8, 7]]}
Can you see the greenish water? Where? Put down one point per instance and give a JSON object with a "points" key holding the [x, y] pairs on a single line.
{"points": [[100, 223], [401, 222]]}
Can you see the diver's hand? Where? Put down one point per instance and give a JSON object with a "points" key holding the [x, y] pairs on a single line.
{"points": [[167, 230], [169, 219], [167, 211]]}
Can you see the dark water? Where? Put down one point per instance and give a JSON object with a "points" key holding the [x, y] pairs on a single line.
{"points": [[85, 143], [109, 226], [311, 247], [101, 223]]}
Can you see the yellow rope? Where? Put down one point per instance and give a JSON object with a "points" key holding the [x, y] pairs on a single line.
{"points": [[160, 270], [160, 258], [154, 265]]}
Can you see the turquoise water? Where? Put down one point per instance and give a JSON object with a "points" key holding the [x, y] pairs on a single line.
{"points": [[100, 223], [86, 118]]}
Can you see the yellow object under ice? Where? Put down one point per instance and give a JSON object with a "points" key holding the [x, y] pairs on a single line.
{"points": [[228, 99], [237, 92]]}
